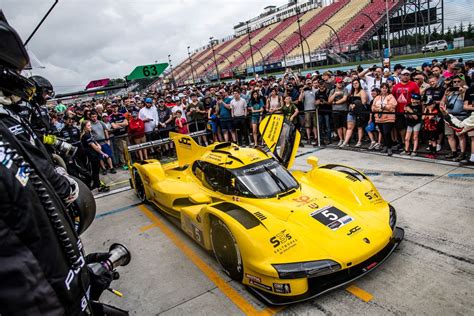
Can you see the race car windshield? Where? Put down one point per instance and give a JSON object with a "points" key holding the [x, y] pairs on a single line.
{"points": [[264, 179]]}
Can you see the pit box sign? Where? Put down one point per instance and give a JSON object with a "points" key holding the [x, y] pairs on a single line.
{"points": [[97, 83], [147, 71]]}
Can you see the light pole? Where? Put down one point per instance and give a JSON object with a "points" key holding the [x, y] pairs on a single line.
{"points": [[202, 64], [171, 69], [307, 45], [299, 32], [250, 44], [337, 36], [281, 47], [263, 60], [243, 57], [191, 65], [378, 34], [214, 55]]}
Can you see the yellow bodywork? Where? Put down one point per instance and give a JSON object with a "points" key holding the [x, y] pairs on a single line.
{"points": [[286, 232]]}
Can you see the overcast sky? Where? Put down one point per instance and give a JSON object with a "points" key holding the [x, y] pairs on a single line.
{"points": [[83, 40]]}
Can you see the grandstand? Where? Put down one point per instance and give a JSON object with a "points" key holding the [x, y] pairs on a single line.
{"points": [[330, 27]]}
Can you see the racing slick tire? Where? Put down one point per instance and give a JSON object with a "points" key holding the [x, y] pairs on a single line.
{"points": [[226, 250], [139, 186]]}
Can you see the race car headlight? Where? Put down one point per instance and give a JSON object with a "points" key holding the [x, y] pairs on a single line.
{"points": [[307, 269], [393, 217]]}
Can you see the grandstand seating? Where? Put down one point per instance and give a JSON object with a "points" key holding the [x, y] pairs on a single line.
{"points": [[360, 28], [309, 27], [337, 20], [347, 17], [244, 43], [293, 27], [273, 31]]}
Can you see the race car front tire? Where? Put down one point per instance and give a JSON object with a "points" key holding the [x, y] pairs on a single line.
{"points": [[226, 249], [139, 186]]}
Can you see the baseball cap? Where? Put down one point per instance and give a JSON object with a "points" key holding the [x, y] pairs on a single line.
{"points": [[415, 96], [406, 71], [426, 64], [134, 113], [338, 80], [391, 78], [148, 100]]}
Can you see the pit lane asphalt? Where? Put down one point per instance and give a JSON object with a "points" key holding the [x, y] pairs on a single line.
{"points": [[432, 272]]}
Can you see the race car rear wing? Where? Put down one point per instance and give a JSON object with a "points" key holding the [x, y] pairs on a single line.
{"points": [[155, 143]]}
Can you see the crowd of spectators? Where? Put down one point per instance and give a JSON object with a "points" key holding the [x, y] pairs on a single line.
{"points": [[378, 108]]}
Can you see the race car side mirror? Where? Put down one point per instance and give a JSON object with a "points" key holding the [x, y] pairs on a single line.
{"points": [[313, 161], [199, 198]]}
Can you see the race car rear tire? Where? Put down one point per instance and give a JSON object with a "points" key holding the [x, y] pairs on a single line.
{"points": [[139, 186], [226, 249]]}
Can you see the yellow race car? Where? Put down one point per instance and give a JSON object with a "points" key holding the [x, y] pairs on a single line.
{"points": [[287, 236]]}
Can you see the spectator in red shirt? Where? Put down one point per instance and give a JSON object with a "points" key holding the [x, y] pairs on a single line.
{"points": [[402, 92], [181, 123], [136, 131]]}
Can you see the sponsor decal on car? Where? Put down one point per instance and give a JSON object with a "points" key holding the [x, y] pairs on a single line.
{"points": [[283, 288], [282, 242], [185, 142], [253, 278], [332, 217], [260, 285], [353, 230]]}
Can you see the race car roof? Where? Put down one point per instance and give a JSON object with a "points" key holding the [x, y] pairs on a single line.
{"points": [[233, 156]]}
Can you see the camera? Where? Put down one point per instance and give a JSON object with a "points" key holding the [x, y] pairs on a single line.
{"points": [[60, 145]]}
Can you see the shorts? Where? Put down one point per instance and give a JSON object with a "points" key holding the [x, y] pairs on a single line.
{"points": [[470, 133], [107, 150], [400, 122], [138, 140], [309, 119], [360, 120], [339, 120], [197, 126], [415, 128], [255, 119], [227, 124]]}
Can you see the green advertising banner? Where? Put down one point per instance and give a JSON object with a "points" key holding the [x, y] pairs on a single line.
{"points": [[147, 71]]}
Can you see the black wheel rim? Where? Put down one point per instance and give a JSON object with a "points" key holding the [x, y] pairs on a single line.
{"points": [[139, 188], [225, 250]]}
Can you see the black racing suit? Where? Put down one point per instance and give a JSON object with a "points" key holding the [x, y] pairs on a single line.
{"points": [[42, 267]]}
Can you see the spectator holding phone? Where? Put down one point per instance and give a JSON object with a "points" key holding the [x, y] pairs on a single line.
{"points": [[453, 100]]}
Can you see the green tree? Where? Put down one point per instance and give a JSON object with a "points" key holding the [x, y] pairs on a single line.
{"points": [[470, 31], [449, 35]]}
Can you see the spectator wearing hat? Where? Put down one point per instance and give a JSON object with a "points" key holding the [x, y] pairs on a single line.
{"points": [[198, 115], [182, 106], [420, 80], [426, 69], [338, 100], [402, 92], [149, 115], [453, 100], [413, 112]]}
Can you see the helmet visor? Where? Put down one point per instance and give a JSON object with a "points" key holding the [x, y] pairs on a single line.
{"points": [[15, 84]]}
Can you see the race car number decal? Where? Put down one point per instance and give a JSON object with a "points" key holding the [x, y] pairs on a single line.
{"points": [[331, 217]]}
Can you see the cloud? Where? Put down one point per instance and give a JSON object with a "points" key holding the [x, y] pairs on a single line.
{"points": [[83, 40]]}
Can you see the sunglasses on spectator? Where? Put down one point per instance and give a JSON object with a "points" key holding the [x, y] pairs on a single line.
{"points": [[456, 81]]}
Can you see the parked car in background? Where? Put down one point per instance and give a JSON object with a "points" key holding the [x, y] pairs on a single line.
{"points": [[435, 46]]}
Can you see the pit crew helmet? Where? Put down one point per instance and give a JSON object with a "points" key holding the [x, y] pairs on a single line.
{"points": [[13, 58]]}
